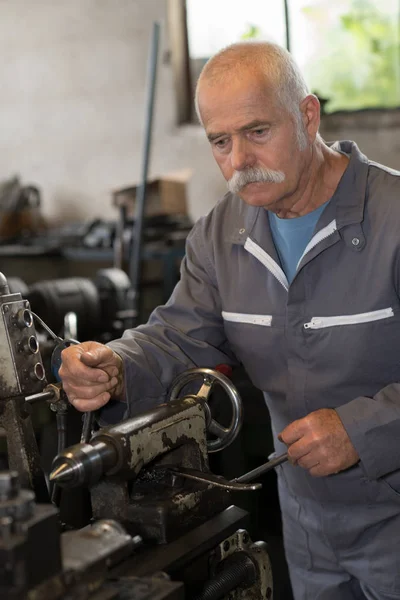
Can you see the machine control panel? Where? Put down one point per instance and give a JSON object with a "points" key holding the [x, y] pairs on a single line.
{"points": [[22, 370]]}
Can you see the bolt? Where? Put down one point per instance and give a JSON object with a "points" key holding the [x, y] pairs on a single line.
{"points": [[245, 538], [226, 545], [268, 593]]}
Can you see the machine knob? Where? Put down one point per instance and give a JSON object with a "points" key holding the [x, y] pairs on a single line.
{"points": [[29, 345], [37, 373], [23, 318]]}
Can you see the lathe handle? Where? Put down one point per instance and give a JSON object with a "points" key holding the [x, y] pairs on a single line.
{"points": [[225, 435]]}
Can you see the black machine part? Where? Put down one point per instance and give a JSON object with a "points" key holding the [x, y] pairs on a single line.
{"points": [[37, 563], [103, 562], [239, 568], [23, 527], [211, 546], [113, 287], [52, 299], [100, 306]]}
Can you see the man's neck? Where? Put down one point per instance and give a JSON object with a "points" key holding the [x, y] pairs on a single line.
{"points": [[319, 181]]}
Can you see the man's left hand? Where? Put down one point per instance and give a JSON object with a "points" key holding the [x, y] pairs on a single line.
{"points": [[319, 443]]}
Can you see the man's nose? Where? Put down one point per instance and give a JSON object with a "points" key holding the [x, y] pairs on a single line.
{"points": [[241, 156]]}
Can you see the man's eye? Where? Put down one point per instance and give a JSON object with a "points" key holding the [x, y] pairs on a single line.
{"points": [[260, 131], [221, 143]]}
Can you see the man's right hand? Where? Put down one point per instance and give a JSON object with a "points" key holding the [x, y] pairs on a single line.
{"points": [[91, 374]]}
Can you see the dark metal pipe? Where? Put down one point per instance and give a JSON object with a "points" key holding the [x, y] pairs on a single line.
{"points": [[135, 255]]}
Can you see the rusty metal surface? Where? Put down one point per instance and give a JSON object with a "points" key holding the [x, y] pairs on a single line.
{"points": [[158, 506], [144, 438], [21, 373], [162, 513], [21, 367], [176, 429], [23, 453]]}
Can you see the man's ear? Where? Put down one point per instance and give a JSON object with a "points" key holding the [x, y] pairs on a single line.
{"points": [[311, 114]]}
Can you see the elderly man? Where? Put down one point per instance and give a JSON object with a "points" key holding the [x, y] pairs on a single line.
{"points": [[295, 274]]}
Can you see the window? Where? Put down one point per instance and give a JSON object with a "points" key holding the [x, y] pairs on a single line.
{"points": [[348, 50]]}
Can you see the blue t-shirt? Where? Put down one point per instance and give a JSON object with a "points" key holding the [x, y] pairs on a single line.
{"points": [[291, 237]]}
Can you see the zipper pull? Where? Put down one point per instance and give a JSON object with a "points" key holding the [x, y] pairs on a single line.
{"points": [[313, 324]]}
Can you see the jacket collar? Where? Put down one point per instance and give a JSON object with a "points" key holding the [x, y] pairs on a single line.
{"points": [[348, 201]]}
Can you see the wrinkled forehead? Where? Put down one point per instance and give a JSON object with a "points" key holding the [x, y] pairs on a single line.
{"points": [[237, 98]]}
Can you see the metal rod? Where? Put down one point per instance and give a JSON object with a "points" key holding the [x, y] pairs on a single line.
{"points": [[237, 484], [87, 427], [287, 24], [271, 464], [135, 255], [119, 245], [61, 420], [40, 396]]}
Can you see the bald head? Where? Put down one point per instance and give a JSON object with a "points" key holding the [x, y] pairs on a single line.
{"points": [[270, 65]]}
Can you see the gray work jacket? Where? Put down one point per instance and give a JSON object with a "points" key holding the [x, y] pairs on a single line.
{"points": [[330, 339]]}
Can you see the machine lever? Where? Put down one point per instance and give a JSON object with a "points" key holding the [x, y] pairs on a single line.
{"points": [[87, 427], [239, 484], [215, 480], [270, 464]]}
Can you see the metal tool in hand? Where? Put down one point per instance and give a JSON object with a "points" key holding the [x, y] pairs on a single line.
{"points": [[88, 418], [224, 435], [239, 484]]}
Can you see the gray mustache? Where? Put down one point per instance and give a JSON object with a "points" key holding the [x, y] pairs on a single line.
{"points": [[253, 175]]}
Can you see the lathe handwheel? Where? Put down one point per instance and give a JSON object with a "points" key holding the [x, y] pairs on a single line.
{"points": [[224, 435]]}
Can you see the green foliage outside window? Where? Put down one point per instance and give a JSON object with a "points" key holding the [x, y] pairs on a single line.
{"points": [[358, 65], [357, 62]]}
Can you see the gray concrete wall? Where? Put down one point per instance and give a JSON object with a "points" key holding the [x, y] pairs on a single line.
{"points": [[73, 94]]}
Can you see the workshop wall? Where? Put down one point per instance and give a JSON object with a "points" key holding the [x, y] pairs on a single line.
{"points": [[73, 88], [73, 99]]}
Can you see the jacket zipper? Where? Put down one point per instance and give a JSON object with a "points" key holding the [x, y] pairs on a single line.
{"points": [[267, 261], [264, 320], [319, 237], [367, 317]]}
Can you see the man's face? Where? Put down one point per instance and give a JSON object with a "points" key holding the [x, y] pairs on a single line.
{"points": [[253, 138]]}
